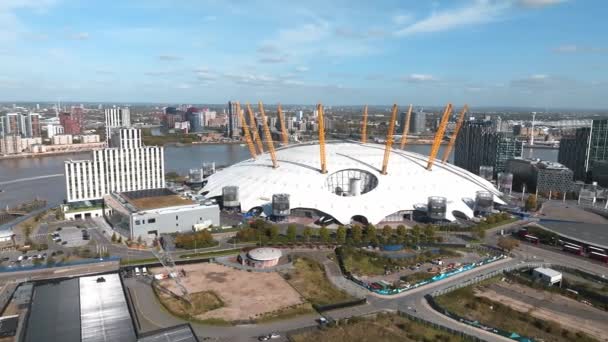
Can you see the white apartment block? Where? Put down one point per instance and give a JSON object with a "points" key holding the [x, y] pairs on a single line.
{"points": [[62, 139], [126, 138], [115, 169], [117, 117]]}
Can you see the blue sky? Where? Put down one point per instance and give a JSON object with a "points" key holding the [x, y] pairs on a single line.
{"points": [[541, 53]]}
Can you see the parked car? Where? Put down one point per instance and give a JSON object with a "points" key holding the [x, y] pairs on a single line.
{"points": [[274, 335], [58, 229], [263, 338], [144, 270], [64, 243], [137, 272]]}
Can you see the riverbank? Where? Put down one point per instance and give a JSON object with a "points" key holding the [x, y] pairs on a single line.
{"points": [[45, 154]]}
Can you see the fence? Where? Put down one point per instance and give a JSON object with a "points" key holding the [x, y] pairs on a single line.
{"points": [[58, 264]]}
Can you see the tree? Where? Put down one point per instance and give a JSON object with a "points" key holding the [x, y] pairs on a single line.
{"points": [[387, 232], [113, 237], [139, 240], [59, 215], [291, 233], [429, 233], [507, 243], [401, 230], [273, 232], [172, 176], [415, 234], [357, 234], [307, 233], [119, 239], [50, 261], [341, 235], [370, 233], [324, 234], [479, 231], [531, 203]]}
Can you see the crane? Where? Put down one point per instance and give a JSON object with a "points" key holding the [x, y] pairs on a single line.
{"points": [[254, 128], [322, 138], [268, 137], [284, 136], [364, 126], [389, 139], [439, 136], [406, 127], [246, 131], [448, 149]]}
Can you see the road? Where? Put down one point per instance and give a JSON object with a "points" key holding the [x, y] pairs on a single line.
{"points": [[151, 317]]}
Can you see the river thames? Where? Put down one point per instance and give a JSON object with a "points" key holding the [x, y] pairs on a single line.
{"points": [[24, 179]]}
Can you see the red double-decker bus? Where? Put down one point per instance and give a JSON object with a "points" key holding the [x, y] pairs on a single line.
{"points": [[531, 239], [572, 248], [599, 256]]}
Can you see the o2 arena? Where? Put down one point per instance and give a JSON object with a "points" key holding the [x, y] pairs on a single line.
{"points": [[349, 180]]}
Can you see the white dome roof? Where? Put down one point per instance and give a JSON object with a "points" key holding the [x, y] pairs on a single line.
{"points": [[265, 254], [406, 184]]}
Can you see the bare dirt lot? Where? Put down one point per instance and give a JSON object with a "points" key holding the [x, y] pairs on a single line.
{"points": [[545, 305], [244, 294]]}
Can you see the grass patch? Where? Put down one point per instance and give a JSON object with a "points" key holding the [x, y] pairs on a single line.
{"points": [[368, 263], [463, 302], [285, 313], [310, 281], [203, 255], [416, 277], [201, 303], [124, 261], [385, 327]]}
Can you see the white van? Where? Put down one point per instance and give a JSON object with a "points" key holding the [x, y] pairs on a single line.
{"points": [[137, 271]]}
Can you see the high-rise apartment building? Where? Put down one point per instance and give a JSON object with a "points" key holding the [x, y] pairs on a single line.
{"points": [[115, 118], [479, 144], [71, 124], [233, 129], [32, 125], [130, 166], [417, 121], [588, 146]]}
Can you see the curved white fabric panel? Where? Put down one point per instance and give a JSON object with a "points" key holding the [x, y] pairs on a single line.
{"points": [[407, 183]]}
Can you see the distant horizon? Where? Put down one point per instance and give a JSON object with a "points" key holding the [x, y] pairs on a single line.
{"points": [[219, 104]]}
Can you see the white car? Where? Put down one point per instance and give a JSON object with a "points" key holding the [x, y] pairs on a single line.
{"points": [[144, 270], [137, 271], [274, 335]]}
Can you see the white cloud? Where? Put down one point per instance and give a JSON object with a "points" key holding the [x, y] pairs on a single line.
{"points": [[302, 68], [204, 74], [415, 78], [80, 36], [479, 12], [402, 19], [183, 86], [11, 25], [539, 3], [169, 58], [572, 48], [273, 59]]}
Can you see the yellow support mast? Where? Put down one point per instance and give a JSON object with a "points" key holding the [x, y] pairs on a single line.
{"points": [[284, 136], [268, 136], [246, 131], [254, 128], [406, 127], [389, 139], [446, 153], [364, 126], [322, 138], [439, 136]]}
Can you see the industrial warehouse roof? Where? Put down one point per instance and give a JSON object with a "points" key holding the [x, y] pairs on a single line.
{"points": [[407, 184], [265, 254]]}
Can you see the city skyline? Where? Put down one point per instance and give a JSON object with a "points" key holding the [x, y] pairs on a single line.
{"points": [[485, 53]]}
